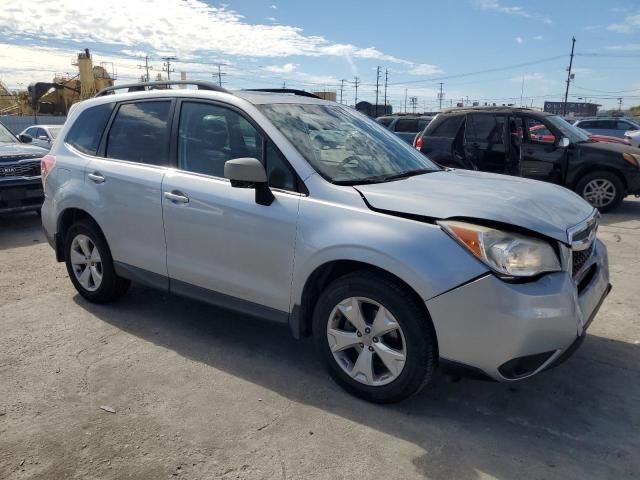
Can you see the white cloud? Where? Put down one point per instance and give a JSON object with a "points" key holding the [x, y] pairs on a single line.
{"points": [[424, 69], [537, 76], [271, 19], [286, 68], [498, 7], [629, 47], [519, 40], [538, 37], [274, 7], [628, 25], [184, 28]]}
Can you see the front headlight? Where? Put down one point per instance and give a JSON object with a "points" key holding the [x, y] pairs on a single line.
{"points": [[506, 253]]}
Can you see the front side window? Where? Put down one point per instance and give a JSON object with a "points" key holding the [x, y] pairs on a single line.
{"points": [[139, 133], [209, 135], [343, 145], [574, 134], [86, 131]]}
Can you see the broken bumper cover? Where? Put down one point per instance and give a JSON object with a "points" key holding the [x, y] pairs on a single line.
{"points": [[506, 331]]}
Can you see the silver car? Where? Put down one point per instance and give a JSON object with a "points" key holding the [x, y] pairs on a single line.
{"points": [[396, 266], [42, 135]]}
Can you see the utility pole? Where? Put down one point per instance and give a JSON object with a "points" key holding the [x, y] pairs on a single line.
{"points": [[414, 102], [620, 104], [341, 89], [441, 95], [377, 87], [522, 90], [405, 100], [220, 74], [386, 82], [284, 84], [147, 67], [167, 65], [566, 93], [356, 83]]}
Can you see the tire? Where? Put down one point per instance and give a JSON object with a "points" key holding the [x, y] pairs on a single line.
{"points": [[603, 190], [415, 338], [111, 286]]}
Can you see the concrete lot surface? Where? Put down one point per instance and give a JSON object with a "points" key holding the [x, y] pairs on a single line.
{"points": [[202, 393]]}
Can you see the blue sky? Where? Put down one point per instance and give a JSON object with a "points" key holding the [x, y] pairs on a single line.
{"points": [[313, 45]]}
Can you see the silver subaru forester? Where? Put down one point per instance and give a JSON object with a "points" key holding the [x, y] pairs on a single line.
{"points": [[306, 213]]}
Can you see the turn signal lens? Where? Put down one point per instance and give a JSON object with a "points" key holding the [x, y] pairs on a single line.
{"points": [[46, 165], [419, 143], [632, 158]]}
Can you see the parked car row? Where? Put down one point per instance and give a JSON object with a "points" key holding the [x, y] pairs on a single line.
{"points": [[536, 145], [405, 126], [307, 213]]}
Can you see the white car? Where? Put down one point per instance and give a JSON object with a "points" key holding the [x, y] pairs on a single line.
{"points": [[42, 135], [634, 137]]}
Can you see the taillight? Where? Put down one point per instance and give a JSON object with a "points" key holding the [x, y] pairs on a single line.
{"points": [[419, 143], [46, 165]]}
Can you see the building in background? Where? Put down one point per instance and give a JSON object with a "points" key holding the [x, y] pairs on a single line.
{"points": [[577, 109], [332, 96]]}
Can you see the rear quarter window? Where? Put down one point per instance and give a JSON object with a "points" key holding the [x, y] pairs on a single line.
{"points": [[86, 132], [406, 125], [447, 128]]}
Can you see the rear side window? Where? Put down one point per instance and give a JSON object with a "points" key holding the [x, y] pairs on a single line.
{"points": [[625, 126], [139, 133], [385, 121], [86, 132], [448, 128], [485, 128], [407, 125]]}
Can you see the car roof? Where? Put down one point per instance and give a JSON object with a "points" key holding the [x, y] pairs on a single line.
{"points": [[465, 110]]}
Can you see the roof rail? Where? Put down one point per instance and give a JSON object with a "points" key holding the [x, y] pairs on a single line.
{"points": [[300, 93], [160, 85], [487, 108]]}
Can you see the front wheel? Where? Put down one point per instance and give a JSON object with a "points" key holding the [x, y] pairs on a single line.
{"points": [[375, 337], [603, 190]]}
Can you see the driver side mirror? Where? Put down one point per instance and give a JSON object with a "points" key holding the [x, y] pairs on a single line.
{"points": [[563, 142], [249, 173], [25, 138]]}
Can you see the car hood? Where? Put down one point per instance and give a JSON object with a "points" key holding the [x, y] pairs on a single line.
{"points": [[607, 148], [541, 207], [10, 152]]}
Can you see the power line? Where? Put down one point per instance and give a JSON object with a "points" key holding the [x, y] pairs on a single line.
{"points": [[167, 65], [566, 93], [478, 72], [356, 84], [147, 67]]}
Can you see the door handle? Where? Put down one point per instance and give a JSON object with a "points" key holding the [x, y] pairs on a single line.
{"points": [[176, 197], [96, 177]]}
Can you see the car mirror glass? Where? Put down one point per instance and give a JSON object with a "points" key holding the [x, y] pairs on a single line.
{"points": [[563, 142]]}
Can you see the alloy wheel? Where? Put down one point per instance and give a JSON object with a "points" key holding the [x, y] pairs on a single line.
{"points": [[599, 192], [86, 262], [366, 341]]}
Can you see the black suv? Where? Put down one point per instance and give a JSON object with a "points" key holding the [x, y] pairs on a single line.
{"points": [[533, 144], [20, 184]]}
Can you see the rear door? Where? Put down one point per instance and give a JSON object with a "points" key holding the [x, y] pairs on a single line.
{"points": [[124, 185], [541, 158], [439, 141], [484, 142]]}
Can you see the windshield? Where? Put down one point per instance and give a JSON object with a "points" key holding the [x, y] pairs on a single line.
{"points": [[574, 134], [54, 131], [344, 146], [6, 136]]}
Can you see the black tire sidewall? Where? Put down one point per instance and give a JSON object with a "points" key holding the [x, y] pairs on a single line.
{"points": [[109, 285], [611, 177], [416, 326]]}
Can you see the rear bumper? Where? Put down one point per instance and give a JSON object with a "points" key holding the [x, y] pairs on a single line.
{"points": [[21, 195], [510, 331]]}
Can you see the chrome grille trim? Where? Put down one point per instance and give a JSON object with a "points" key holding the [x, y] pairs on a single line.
{"points": [[582, 240]]}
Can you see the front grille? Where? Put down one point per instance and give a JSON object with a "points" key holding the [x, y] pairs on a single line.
{"points": [[580, 258], [22, 169]]}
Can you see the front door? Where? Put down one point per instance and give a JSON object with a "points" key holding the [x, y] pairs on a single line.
{"points": [[218, 238], [541, 158]]}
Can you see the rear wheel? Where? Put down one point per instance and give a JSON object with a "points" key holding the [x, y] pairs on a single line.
{"points": [[603, 190], [90, 265], [375, 337]]}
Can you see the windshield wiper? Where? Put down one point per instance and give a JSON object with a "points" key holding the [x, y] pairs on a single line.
{"points": [[384, 178]]}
